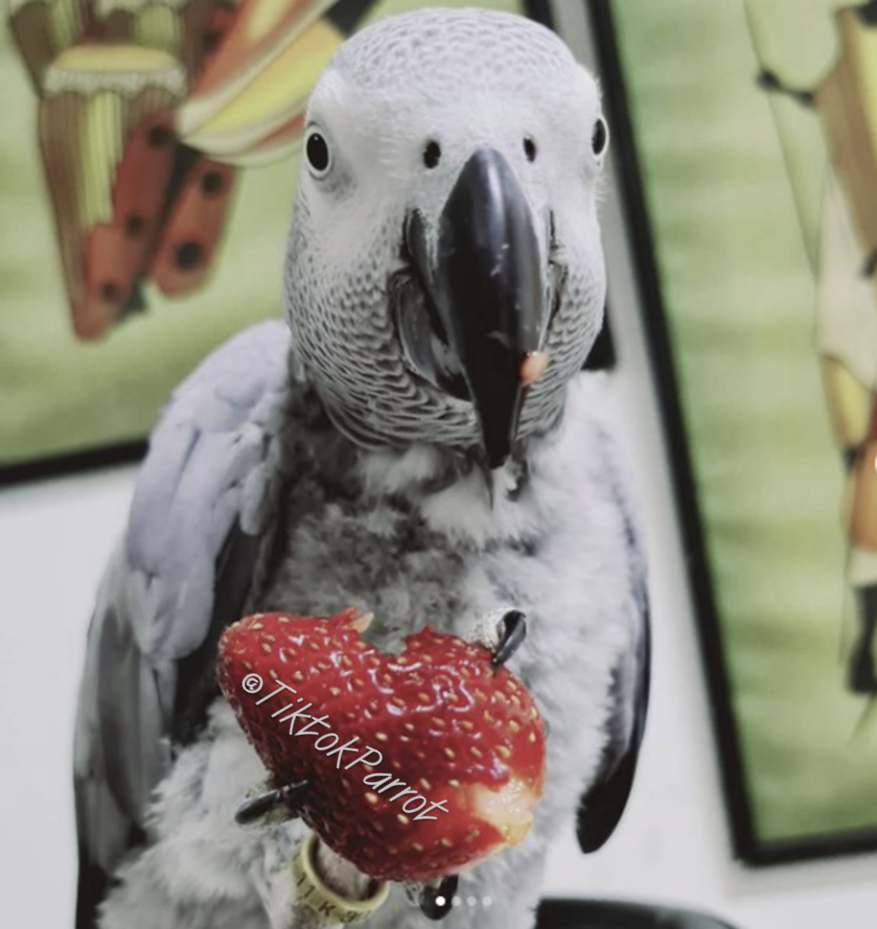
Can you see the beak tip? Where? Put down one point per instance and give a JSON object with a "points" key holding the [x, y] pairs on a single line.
{"points": [[361, 622], [533, 367]]}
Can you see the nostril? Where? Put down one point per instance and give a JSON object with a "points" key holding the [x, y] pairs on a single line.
{"points": [[432, 154], [530, 148]]}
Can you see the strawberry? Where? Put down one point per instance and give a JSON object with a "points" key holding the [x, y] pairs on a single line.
{"points": [[416, 765]]}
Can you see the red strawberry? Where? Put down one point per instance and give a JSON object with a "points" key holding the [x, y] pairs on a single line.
{"points": [[445, 756]]}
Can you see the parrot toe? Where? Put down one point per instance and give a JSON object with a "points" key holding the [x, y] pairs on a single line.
{"points": [[254, 808], [501, 632], [436, 900], [512, 630]]}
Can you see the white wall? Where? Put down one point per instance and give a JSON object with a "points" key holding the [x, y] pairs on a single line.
{"points": [[54, 539]]}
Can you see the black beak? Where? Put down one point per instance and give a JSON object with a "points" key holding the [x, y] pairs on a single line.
{"points": [[488, 289]]}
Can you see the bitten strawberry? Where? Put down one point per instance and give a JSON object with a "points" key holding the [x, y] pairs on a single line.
{"points": [[417, 765]]}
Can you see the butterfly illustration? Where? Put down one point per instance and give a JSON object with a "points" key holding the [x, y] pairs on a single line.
{"points": [[147, 108]]}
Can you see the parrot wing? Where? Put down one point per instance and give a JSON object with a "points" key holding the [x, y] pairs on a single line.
{"points": [[603, 804], [201, 512]]}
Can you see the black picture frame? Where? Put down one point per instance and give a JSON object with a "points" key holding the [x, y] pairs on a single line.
{"points": [[746, 844], [63, 465]]}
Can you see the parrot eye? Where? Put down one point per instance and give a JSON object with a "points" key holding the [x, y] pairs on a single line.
{"points": [[599, 137], [432, 154], [530, 149], [317, 152]]}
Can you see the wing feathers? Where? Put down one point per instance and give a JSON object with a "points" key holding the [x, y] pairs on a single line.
{"points": [[182, 573], [603, 805]]}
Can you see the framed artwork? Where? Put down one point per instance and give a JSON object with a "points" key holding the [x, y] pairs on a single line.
{"points": [[148, 155], [745, 133]]}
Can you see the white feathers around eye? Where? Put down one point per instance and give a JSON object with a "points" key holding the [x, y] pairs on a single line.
{"points": [[377, 134], [461, 78]]}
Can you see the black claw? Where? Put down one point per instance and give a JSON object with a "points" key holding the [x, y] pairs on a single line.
{"points": [[256, 807], [444, 892], [514, 631]]}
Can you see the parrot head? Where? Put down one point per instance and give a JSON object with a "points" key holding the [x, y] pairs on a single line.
{"points": [[444, 274]]}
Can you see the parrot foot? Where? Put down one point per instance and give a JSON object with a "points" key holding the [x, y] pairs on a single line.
{"points": [[501, 632], [254, 808], [513, 631], [434, 899]]}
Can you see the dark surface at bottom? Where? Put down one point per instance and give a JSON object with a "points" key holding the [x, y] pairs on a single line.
{"points": [[605, 914]]}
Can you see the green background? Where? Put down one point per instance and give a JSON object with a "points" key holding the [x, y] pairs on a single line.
{"points": [[58, 394], [739, 294]]}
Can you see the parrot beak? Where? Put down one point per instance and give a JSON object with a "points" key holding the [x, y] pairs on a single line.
{"points": [[487, 295]]}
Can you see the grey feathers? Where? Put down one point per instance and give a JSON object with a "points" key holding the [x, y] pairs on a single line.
{"points": [[214, 459], [209, 464]]}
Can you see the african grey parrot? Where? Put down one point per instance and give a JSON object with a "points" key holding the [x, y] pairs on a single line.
{"points": [[394, 445]]}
